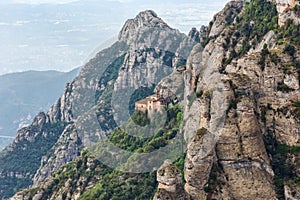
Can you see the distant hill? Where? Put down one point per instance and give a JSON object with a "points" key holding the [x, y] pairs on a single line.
{"points": [[26, 93]]}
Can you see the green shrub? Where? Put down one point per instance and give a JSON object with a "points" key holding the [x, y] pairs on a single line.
{"points": [[258, 17], [274, 58], [283, 87], [289, 49], [140, 118]]}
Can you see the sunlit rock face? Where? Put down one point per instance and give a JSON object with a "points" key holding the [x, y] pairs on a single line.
{"points": [[284, 6]]}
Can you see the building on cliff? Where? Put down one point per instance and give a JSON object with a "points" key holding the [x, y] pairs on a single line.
{"points": [[153, 103]]}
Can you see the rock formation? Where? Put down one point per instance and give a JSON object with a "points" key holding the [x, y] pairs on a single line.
{"points": [[285, 11], [228, 116], [170, 183]]}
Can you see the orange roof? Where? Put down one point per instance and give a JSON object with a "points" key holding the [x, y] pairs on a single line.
{"points": [[143, 101]]}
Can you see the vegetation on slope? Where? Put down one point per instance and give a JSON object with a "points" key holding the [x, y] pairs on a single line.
{"points": [[285, 171], [97, 181], [120, 185], [29, 152], [258, 18]]}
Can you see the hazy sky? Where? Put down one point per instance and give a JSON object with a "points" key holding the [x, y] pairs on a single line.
{"points": [[59, 1], [42, 1], [62, 34]]}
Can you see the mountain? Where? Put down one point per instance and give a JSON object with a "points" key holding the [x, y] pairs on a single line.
{"points": [[26, 93], [225, 126], [147, 50]]}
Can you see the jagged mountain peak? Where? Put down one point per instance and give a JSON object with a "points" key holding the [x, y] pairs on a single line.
{"points": [[146, 14], [194, 34], [144, 20]]}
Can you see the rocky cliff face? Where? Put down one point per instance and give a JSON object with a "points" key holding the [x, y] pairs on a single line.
{"points": [[239, 122], [285, 11]]}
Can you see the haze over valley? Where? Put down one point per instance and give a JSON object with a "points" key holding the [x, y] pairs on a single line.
{"points": [[62, 36]]}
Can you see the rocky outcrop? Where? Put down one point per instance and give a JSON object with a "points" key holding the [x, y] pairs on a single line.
{"points": [[30, 145], [199, 160], [194, 34], [131, 31], [155, 49], [144, 67], [24, 134], [289, 15], [286, 12], [171, 87], [226, 16], [66, 149], [242, 154], [28, 88], [170, 183], [284, 5], [62, 108]]}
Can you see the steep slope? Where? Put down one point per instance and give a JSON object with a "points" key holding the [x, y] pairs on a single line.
{"points": [[241, 121], [88, 178], [96, 102], [18, 108]]}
